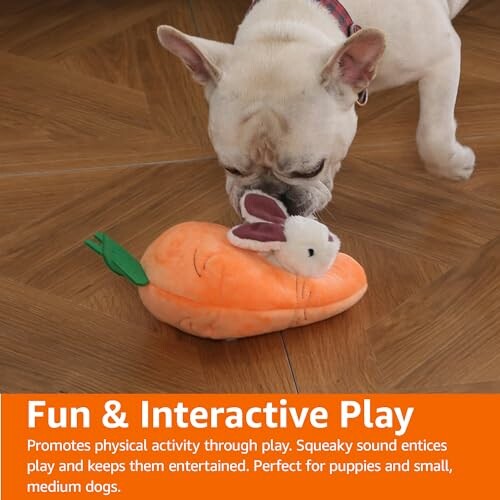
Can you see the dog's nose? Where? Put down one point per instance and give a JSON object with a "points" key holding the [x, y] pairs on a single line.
{"points": [[271, 186], [291, 204], [296, 202]]}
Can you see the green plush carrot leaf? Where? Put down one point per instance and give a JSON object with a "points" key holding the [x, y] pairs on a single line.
{"points": [[118, 259]]}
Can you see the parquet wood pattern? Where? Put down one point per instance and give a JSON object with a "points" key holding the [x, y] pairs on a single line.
{"points": [[101, 129]]}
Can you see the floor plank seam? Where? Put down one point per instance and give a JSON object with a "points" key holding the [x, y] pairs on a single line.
{"points": [[470, 195], [199, 159], [289, 362], [453, 269], [193, 18], [382, 111], [396, 105], [90, 128]]}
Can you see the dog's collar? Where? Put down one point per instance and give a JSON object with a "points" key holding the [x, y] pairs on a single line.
{"points": [[347, 26]]}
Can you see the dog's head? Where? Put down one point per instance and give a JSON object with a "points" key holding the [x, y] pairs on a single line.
{"points": [[282, 115]]}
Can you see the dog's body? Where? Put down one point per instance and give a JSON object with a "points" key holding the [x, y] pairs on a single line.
{"points": [[282, 98]]}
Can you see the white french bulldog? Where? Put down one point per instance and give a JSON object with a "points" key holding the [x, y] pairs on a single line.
{"points": [[282, 98]]}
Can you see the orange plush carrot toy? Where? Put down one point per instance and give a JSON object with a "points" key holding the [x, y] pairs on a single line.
{"points": [[271, 273]]}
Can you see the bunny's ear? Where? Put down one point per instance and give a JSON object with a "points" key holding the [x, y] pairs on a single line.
{"points": [[257, 206], [258, 236], [334, 240]]}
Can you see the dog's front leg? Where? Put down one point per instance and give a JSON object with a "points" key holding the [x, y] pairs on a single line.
{"points": [[443, 155]]}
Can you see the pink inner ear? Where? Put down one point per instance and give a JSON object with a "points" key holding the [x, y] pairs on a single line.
{"points": [[354, 72], [193, 60], [191, 57], [358, 60], [265, 208], [260, 231]]}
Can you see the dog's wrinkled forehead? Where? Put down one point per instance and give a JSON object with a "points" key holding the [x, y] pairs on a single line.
{"points": [[269, 134], [267, 107]]}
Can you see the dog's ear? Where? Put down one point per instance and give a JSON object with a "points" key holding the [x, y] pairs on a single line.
{"points": [[355, 64], [202, 57], [259, 236], [257, 206]]}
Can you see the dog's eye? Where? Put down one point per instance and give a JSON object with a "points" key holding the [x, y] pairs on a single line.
{"points": [[309, 175], [233, 171]]}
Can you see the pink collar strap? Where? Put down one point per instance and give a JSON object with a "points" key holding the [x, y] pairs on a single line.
{"points": [[347, 26], [337, 10]]}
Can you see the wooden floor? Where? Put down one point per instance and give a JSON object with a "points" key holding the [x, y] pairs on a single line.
{"points": [[100, 129]]}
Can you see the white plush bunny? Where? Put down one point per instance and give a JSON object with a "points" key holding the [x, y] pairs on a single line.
{"points": [[297, 244]]}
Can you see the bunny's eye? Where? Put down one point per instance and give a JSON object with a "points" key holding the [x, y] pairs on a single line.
{"points": [[311, 252]]}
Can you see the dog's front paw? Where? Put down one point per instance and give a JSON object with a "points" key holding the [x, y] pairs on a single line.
{"points": [[459, 166]]}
